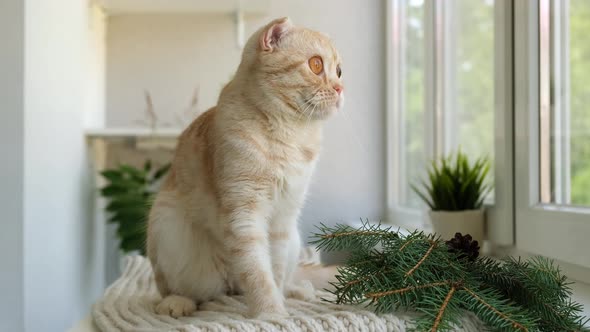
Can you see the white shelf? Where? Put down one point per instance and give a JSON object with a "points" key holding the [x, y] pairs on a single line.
{"points": [[116, 7], [133, 132]]}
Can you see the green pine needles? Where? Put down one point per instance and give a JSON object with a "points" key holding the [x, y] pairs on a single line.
{"points": [[389, 271], [455, 184]]}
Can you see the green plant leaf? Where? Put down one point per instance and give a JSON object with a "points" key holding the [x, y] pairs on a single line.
{"points": [[132, 243], [422, 196], [112, 175], [455, 183], [122, 187], [112, 190], [129, 215], [127, 200], [161, 171], [129, 195], [130, 230], [134, 173]]}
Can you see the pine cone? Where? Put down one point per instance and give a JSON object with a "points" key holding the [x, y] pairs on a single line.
{"points": [[464, 245]]}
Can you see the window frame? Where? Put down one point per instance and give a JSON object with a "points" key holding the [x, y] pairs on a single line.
{"points": [[397, 213], [538, 225], [438, 141], [560, 102], [517, 221]]}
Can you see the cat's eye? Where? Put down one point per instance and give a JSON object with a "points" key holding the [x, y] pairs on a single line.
{"points": [[316, 65], [338, 71]]}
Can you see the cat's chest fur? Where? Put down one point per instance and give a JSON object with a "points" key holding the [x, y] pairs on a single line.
{"points": [[292, 166]]}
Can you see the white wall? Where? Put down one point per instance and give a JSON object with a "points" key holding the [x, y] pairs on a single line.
{"points": [[59, 279], [171, 54], [48, 277], [11, 166]]}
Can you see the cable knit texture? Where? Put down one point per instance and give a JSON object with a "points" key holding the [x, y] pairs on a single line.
{"points": [[128, 305]]}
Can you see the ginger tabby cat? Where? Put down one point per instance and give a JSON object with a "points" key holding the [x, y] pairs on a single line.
{"points": [[225, 219]]}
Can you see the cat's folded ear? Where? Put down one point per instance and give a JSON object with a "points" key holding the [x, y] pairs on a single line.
{"points": [[273, 32]]}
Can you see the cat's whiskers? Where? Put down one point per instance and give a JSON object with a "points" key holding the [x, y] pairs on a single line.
{"points": [[306, 104], [311, 115], [322, 103], [354, 135], [309, 102]]}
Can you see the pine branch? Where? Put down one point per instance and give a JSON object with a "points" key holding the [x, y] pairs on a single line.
{"points": [[375, 296], [503, 316], [411, 271], [442, 309], [538, 285], [421, 272], [348, 287], [343, 237], [353, 233], [407, 244]]}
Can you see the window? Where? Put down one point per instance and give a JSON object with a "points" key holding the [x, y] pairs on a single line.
{"points": [[579, 101], [507, 79], [441, 91], [553, 128], [412, 86], [565, 175], [470, 86]]}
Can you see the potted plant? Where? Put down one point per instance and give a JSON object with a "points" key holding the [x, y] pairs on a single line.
{"points": [[129, 192], [455, 192]]}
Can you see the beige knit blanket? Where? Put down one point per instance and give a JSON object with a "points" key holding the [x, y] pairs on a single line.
{"points": [[128, 305]]}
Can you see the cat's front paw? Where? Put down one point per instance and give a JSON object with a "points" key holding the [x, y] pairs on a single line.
{"points": [[303, 292], [176, 306]]}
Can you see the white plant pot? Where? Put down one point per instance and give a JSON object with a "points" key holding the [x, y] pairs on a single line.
{"points": [[447, 223]]}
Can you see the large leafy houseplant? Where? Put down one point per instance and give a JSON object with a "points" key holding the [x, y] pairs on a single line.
{"points": [[455, 191], [129, 192]]}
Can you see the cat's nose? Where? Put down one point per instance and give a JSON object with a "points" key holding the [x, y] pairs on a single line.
{"points": [[338, 88]]}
